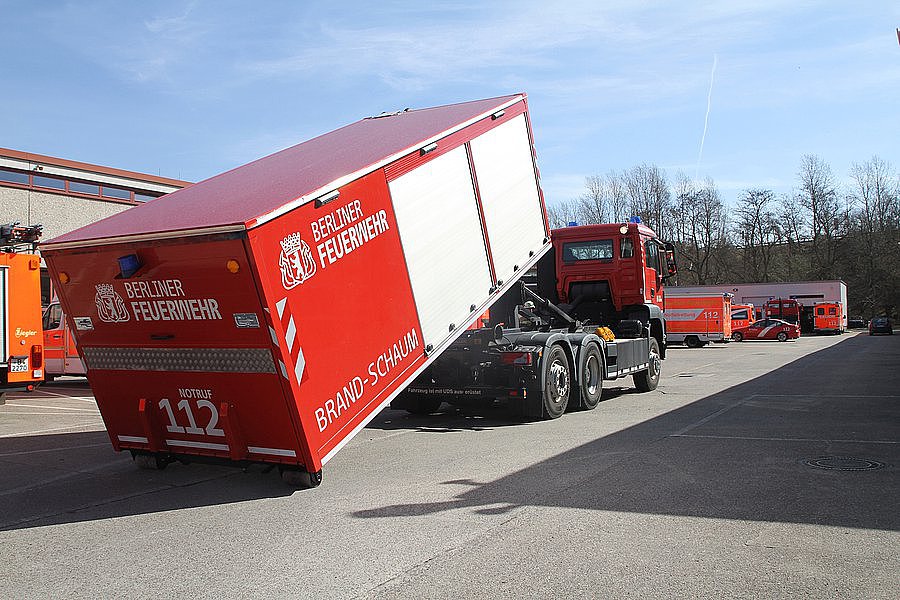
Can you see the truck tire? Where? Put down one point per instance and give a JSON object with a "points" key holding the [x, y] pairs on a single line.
{"points": [[557, 377], [647, 380], [692, 341], [590, 376]]}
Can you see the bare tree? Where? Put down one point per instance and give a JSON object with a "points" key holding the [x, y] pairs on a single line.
{"points": [[757, 230], [607, 198], [560, 214], [617, 192], [593, 205], [648, 196], [818, 195], [698, 217], [876, 195], [874, 242]]}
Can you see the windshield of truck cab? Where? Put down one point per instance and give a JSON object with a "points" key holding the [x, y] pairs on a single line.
{"points": [[588, 250]]}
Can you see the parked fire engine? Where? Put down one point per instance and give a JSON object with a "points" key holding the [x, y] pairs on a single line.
{"points": [[828, 317], [786, 309], [269, 313], [696, 320], [21, 347], [742, 315]]}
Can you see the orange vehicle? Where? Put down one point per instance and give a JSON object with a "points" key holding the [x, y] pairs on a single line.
{"points": [[22, 356], [60, 352], [697, 320], [742, 315], [829, 317]]}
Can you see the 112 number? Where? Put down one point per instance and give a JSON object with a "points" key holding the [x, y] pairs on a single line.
{"points": [[192, 428]]}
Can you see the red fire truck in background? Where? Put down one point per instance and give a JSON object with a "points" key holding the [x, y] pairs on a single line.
{"points": [[21, 346], [786, 309]]}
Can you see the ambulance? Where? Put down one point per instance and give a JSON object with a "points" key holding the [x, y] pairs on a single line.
{"points": [[742, 315], [696, 320], [828, 317]]}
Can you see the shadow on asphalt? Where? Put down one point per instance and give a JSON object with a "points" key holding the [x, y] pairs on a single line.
{"points": [[66, 478], [451, 419], [737, 454]]}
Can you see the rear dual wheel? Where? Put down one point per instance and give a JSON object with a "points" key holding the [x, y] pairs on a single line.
{"points": [[557, 378]]}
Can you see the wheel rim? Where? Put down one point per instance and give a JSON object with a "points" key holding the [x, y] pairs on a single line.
{"points": [[558, 384], [655, 364], [592, 375], [782, 336]]}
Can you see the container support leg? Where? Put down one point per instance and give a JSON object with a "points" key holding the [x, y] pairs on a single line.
{"points": [[237, 449], [147, 422]]}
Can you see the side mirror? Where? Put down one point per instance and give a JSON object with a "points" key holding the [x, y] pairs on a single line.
{"points": [[671, 265]]}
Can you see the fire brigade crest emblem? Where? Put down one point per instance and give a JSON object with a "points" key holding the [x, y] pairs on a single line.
{"points": [[296, 261], [110, 305]]}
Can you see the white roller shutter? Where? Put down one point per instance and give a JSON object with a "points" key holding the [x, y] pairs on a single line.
{"points": [[440, 229], [509, 194]]}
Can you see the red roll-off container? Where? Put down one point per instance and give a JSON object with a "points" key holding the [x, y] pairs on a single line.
{"points": [[268, 313]]}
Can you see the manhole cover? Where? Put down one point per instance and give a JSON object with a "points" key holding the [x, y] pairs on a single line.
{"points": [[843, 463]]}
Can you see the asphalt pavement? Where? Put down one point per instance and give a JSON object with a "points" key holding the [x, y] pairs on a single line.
{"points": [[755, 470]]}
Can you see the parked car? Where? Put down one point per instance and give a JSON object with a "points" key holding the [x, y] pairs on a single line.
{"points": [[856, 323], [881, 325], [767, 329]]}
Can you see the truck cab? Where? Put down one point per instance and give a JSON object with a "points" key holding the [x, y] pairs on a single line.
{"points": [[786, 309], [742, 315], [609, 273]]}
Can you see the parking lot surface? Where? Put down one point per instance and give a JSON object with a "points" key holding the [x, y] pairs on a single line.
{"points": [[755, 470]]}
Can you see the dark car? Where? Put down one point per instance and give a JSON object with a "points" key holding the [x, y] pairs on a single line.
{"points": [[856, 323], [767, 329], [881, 325]]}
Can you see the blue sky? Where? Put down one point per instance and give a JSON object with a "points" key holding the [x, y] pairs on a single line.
{"points": [[190, 89]]}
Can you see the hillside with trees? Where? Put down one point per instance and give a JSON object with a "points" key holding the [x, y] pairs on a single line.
{"points": [[820, 230]]}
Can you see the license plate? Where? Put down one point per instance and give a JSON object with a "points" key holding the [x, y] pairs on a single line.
{"points": [[18, 365]]}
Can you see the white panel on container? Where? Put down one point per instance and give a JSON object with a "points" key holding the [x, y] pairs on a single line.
{"points": [[437, 217], [509, 194]]}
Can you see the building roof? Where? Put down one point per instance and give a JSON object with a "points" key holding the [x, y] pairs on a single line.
{"points": [[256, 192], [31, 161]]}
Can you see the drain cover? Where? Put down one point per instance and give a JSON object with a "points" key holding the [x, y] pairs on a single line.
{"points": [[843, 463]]}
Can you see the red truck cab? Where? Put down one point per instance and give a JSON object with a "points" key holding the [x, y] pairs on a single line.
{"points": [[786, 309], [609, 273]]}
